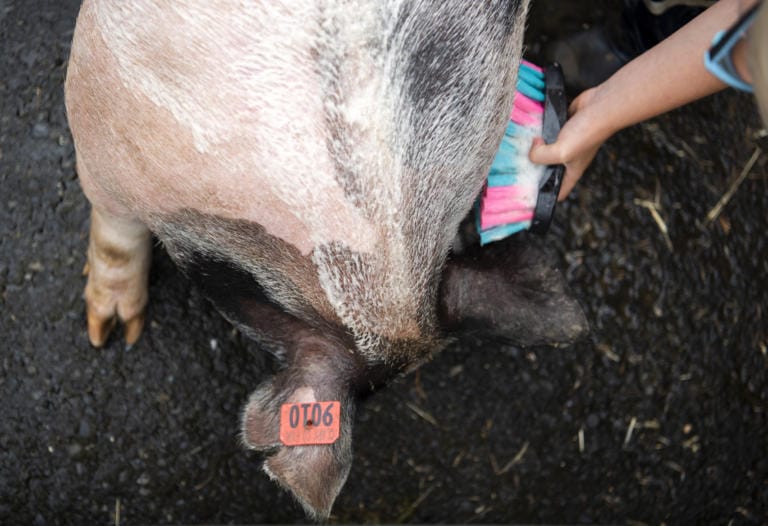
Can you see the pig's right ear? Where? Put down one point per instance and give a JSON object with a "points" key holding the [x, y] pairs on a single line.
{"points": [[511, 290], [314, 474]]}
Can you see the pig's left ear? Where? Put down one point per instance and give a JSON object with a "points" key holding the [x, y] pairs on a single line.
{"points": [[314, 474]]}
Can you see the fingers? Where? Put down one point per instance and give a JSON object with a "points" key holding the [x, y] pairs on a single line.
{"points": [[542, 153], [577, 144], [569, 181]]}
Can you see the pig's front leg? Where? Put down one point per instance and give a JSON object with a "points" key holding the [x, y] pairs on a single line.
{"points": [[119, 255]]}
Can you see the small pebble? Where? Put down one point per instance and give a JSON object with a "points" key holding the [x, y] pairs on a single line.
{"points": [[84, 429], [40, 130]]}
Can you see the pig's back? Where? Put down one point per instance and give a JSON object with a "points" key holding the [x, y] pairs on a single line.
{"points": [[328, 148]]}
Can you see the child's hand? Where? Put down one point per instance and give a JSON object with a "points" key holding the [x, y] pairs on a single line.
{"points": [[577, 143]]}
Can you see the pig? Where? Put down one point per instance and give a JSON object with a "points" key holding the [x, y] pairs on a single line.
{"points": [[308, 164]]}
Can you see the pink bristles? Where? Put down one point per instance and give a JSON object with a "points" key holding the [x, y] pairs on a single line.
{"points": [[527, 104], [506, 193], [526, 119], [497, 207], [533, 66], [508, 200], [489, 220], [503, 198]]}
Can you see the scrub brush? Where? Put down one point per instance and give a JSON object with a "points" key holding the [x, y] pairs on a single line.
{"points": [[518, 194]]}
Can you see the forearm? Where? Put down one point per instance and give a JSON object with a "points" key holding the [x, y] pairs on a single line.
{"points": [[667, 76]]}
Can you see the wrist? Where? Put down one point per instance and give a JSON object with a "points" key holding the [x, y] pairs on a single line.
{"points": [[596, 111]]}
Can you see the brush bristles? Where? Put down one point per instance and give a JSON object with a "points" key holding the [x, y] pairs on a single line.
{"points": [[508, 200]]}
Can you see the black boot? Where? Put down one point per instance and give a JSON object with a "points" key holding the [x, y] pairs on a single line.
{"points": [[591, 56]]}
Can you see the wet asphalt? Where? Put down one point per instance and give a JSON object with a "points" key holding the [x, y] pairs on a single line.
{"points": [[658, 417]]}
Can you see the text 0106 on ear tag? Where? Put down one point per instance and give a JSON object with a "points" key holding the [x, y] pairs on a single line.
{"points": [[309, 424]]}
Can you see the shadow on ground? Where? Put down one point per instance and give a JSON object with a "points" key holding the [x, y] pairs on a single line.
{"points": [[660, 417]]}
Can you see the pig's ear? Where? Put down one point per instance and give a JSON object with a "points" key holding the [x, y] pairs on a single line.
{"points": [[513, 291], [314, 474]]}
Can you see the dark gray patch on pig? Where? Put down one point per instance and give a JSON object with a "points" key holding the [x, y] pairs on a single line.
{"points": [[507, 13], [243, 301], [339, 134], [248, 274], [439, 56], [455, 78], [437, 46], [249, 257], [430, 71]]}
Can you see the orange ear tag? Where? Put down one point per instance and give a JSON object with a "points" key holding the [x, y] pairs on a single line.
{"points": [[309, 424]]}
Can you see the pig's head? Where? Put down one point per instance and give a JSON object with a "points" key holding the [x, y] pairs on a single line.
{"points": [[511, 290]]}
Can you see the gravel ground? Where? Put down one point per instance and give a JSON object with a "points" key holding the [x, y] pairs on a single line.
{"points": [[660, 417]]}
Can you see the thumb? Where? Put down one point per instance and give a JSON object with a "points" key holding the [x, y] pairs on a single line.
{"points": [[543, 153]]}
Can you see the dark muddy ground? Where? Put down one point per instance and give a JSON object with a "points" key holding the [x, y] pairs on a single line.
{"points": [[659, 418]]}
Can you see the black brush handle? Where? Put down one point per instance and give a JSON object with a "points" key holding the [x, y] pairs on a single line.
{"points": [[555, 114]]}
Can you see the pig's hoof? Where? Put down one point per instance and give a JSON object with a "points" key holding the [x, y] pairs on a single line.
{"points": [[99, 328], [118, 270], [106, 305]]}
